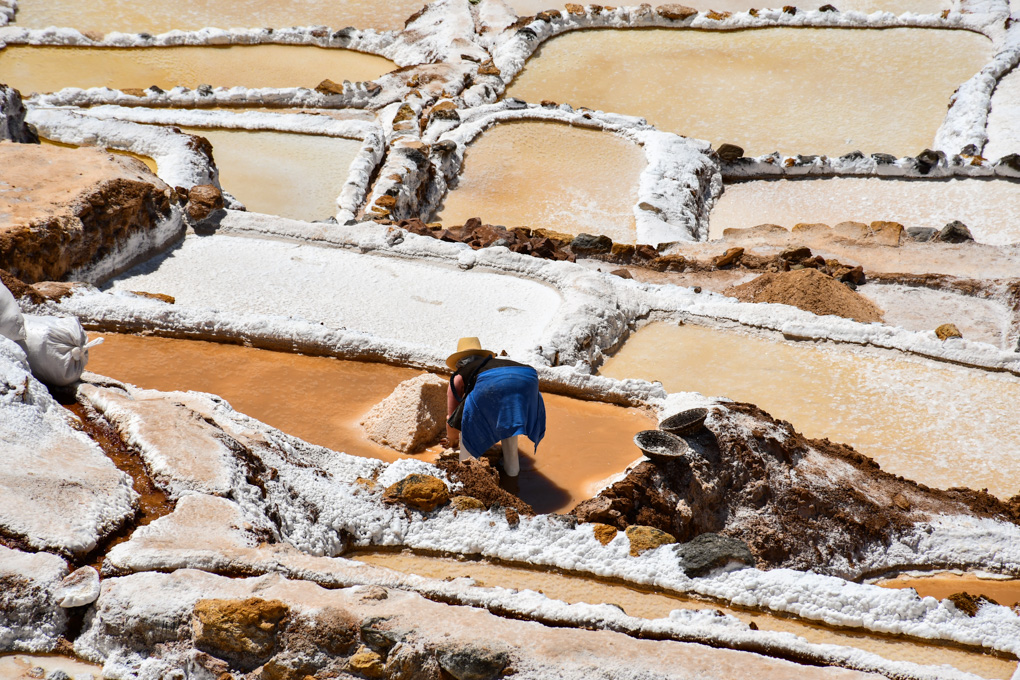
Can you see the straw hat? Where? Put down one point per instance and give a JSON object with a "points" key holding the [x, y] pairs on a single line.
{"points": [[467, 347]]}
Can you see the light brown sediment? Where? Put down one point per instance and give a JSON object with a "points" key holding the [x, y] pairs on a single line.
{"points": [[943, 584], [550, 176], [795, 90], [32, 68], [149, 163]]}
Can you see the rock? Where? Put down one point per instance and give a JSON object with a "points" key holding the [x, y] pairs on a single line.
{"points": [[712, 551], [604, 533], [886, 233], [12, 118], [412, 417], [644, 538], [668, 263], [445, 110], [851, 230], [466, 504], [831, 8], [883, 158], [901, 502], [368, 663], [404, 114], [675, 12], [730, 257], [922, 234], [378, 638], [948, 330], [622, 273], [55, 290], [74, 209], [803, 227], [79, 588], [327, 86], [241, 632], [513, 518], [421, 492], [162, 297], [58, 675], [927, 159], [575, 9], [203, 200], [1011, 161], [954, 232], [588, 244], [386, 201], [473, 661], [796, 254]]}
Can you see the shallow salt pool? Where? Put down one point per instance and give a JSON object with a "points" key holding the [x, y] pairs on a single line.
{"points": [[21, 667], [158, 16], [795, 90], [149, 163], [943, 584], [323, 400], [549, 176], [280, 173], [395, 299], [990, 208], [653, 605], [527, 7], [49, 69], [940, 425]]}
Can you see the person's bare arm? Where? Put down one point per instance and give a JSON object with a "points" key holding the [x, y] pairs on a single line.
{"points": [[453, 434]]}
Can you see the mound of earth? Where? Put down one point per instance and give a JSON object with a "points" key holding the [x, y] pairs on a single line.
{"points": [[810, 290], [798, 503], [481, 481], [63, 210]]}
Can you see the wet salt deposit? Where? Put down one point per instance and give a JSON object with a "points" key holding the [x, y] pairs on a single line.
{"points": [[422, 304], [323, 400], [291, 175], [48, 69], [550, 176], [990, 208], [942, 585], [940, 425], [153, 16], [1004, 118], [820, 91], [652, 605]]}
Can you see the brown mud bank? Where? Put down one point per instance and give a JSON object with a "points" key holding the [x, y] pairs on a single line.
{"points": [[798, 503], [65, 210]]}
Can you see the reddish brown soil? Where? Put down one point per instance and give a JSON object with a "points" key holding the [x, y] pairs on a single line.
{"points": [[741, 483], [481, 481], [810, 290]]}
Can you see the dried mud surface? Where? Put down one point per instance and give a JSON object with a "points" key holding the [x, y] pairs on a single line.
{"points": [[810, 290], [69, 208], [797, 502]]}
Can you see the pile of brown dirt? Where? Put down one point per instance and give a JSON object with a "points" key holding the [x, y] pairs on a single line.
{"points": [[810, 290], [481, 481], [798, 503]]}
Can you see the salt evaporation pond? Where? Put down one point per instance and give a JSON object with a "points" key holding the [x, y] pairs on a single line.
{"points": [[21, 667], [158, 16], [941, 585], [49, 69], [426, 305], [323, 400], [940, 425], [551, 176], [279, 173], [1004, 118], [795, 90], [654, 605], [990, 208]]}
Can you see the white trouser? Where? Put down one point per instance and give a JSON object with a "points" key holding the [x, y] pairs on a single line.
{"points": [[511, 461]]}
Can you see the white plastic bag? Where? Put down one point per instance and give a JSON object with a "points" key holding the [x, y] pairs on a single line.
{"points": [[57, 348], [12, 325]]}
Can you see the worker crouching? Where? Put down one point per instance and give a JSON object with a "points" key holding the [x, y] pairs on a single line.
{"points": [[491, 400]]}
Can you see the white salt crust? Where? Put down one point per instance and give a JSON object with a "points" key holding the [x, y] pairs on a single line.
{"points": [[58, 489], [351, 197], [597, 313], [31, 618], [341, 505]]}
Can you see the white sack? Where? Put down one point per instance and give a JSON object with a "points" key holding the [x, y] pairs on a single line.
{"points": [[57, 348], [12, 325]]}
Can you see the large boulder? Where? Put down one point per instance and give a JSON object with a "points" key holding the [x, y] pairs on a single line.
{"points": [[412, 417]]}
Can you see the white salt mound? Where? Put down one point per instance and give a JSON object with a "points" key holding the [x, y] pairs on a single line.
{"points": [[412, 417]]}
